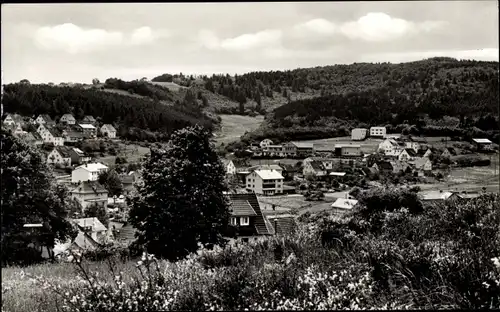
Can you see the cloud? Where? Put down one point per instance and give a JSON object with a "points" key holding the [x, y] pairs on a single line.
{"points": [[382, 27], [74, 39], [261, 39], [318, 26]]}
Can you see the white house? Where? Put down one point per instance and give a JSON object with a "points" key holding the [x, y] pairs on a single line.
{"points": [[422, 165], [344, 203], [51, 135], [229, 166], [390, 147], [88, 129], [93, 227], [378, 132], [87, 172], [108, 131], [359, 134], [44, 120], [407, 154], [60, 155], [266, 182], [13, 119], [67, 119], [265, 143]]}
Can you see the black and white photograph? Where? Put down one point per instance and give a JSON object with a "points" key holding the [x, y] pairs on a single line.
{"points": [[244, 156]]}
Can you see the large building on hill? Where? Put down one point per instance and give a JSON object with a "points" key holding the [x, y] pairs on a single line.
{"points": [[359, 134], [265, 182], [87, 172]]}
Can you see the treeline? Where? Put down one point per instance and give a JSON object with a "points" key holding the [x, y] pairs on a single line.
{"points": [[140, 87], [137, 118]]}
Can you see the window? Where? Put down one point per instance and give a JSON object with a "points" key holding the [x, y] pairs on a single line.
{"points": [[244, 221], [234, 221]]}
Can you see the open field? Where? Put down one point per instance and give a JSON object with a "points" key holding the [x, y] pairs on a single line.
{"points": [[132, 152], [234, 126]]}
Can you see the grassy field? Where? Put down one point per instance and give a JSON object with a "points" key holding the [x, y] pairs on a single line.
{"points": [[132, 152], [21, 294], [234, 126], [172, 86]]}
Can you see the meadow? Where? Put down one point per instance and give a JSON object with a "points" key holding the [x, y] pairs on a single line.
{"points": [[234, 126]]}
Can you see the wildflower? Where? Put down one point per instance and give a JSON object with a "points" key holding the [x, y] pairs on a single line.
{"points": [[496, 262]]}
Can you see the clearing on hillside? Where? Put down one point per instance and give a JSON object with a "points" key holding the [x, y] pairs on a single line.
{"points": [[234, 126]]}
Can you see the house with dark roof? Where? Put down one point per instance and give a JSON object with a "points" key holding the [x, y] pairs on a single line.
{"points": [[247, 217], [67, 119], [90, 192], [88, 120], [407, 154], [448, 152], [13, 120], [127, 182], [314, 168], [32, 138], [60, 155], [45, 119], [383, 167], [78, 156]]}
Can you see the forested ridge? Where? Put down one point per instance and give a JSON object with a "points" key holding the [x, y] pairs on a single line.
{"points": [[136, 118]]}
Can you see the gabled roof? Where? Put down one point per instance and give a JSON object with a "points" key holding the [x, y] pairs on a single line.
{"points": [[109, 127], [265, 167], [64, 151], [68, 116], [317, 165], [55, 132], [16, 117], [88, 118], [435, 195], [411, 152], [46, 118], [451, 150], [96, 225], [385, 165], [421, 152], [241, 208], [251, 198], [337, 174], [344, 203], [79, 152], [269, 174], [420, 162], [86, 126], [282, 224], [469, 195], [89, 187]]}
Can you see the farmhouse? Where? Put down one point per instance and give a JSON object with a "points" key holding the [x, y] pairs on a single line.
{"points": [[89, 120], [247, 217], [44, 120], [229, 166], [93, 227], [344, 203], [359, 134], [88, 129], [266, 182], [108, 131], [60, 155], [88, 193], [407, 154], [13, 120], [378, 132], [87, 172], [482, 144], [67, 119], [391, 147]]}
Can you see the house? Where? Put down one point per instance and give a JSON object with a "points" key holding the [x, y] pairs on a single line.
{"points": [[51, 135], [303, 149], [289, 149], [266, 167], [348, 150], [67, 119], [369, 171], [88, 193], [424, 153], [83, 242], [18, 131], [89, 120], [435, 195], [87, 129], [384, 167], [127, 181], [344, 203], [390, 147], [378, 132], [274, 150], [87, 172], [422, 165], [229, 166], [266, 182], [78, 156], [482, 144], [407, 154], [93, 227], [108, 131], [265, 143], [359, 134], [13, 120], [44, 120], [60, 155], [448, 152], [398, 166], [289, 171], [314, 168], [74, 136], [32, 138], [282, 224], [247, 217]]}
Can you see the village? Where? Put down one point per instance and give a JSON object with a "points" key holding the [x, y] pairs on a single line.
{"points": [[268, 190]]}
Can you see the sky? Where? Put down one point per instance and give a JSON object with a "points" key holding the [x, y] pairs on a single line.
{"points": [[78, 42]]}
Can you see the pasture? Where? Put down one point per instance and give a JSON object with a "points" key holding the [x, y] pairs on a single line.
{"points": [[234, 126]]}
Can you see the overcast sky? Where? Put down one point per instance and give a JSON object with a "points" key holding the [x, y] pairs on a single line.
{"points": [[78, 42]]}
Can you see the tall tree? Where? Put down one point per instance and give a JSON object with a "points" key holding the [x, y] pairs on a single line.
{"points": [[180, 201], [29, 195], [111, 182]]}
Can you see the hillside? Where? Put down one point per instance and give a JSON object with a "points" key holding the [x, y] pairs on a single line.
{"points": [[137, 118], [381, 94]]}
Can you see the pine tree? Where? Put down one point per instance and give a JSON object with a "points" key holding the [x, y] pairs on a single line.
{"points": [[181, 200]]}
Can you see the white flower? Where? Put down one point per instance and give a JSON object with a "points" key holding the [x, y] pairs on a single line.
{"points": [[496, 262]]}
